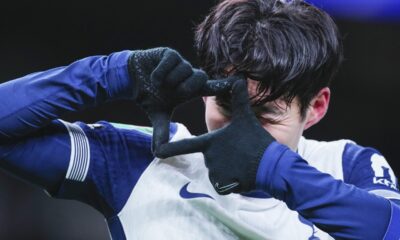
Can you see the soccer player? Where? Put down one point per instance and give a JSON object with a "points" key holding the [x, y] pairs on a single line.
{"points": [[252, 177]]}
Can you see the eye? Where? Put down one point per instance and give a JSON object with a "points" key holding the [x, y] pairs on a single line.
{"points": [[270, 120], [267, 114], [225, 110], [264, 111]]}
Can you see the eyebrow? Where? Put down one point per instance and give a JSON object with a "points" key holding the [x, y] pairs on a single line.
{"points": [[268, 108], [271, 108]]}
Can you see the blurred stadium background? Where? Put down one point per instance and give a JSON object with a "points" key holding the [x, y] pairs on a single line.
{"points": [[37, 35]]}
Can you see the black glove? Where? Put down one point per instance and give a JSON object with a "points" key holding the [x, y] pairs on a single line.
{"points": [[232, 154], [163, 80]]}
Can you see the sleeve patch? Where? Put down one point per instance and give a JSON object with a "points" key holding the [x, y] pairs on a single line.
{"points": [[366, 168], [80, 153], [383, 174]]}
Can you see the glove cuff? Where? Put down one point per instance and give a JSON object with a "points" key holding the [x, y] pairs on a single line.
{"points": [[140, 66], [135, 73], [254, 165]]}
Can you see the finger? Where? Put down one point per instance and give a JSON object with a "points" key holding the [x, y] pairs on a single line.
{"points": [[240, 98], [217, 87], [179, 74], [191, 87], [167, 63], [185, 146], [160, 122]]}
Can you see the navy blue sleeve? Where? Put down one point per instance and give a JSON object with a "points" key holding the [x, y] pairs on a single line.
{"points": [[33, 101], [393, 230], [41, 158], [342, 210], [39, 148], [106, 163], [366, 168], [35, 146], [98, 164]]}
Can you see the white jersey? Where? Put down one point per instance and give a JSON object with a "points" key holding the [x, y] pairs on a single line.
{"points": [[111, 167], [173, 198]]}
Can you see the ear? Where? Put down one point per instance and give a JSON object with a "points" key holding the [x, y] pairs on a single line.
{"points": [[204, 99], [318, 107]]}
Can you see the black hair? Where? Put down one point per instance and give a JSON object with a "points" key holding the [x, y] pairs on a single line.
{"points": [[292, 48]]}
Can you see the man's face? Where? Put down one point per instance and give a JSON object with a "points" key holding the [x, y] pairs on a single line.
{"points": [[286, 129]]}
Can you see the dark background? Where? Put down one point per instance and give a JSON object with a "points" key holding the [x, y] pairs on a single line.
{"points": [[39, 35]]}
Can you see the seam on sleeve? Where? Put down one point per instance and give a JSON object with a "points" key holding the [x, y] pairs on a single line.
{"points": [[393, 232], [352, 164], [388, 194]]}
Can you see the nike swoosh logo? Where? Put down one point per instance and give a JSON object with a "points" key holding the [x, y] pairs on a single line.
{"points": [[226, 187], [184, 193]]}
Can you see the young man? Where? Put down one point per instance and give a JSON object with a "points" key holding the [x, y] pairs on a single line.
{"points": [[257, 178]]}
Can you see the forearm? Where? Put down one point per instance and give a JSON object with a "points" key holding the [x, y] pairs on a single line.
{"points": [[342, 210], [31, 102]]}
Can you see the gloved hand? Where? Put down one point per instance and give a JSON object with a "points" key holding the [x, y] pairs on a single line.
{"points": [[163, 80], [232, 153]]}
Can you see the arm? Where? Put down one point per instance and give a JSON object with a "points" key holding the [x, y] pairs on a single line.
{"points": [[98, 164], [31, 103], [35, 100], [342, 210], [36, 147], [32, 144], [157, 79]]}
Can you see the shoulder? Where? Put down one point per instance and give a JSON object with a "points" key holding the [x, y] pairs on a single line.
{"points": [[344, 159], [309, 147], [326, 156]]}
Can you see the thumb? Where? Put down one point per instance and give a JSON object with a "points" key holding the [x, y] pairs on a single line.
{"points": [[185, 146], [160, 122], [217, 87], [240, 98]]}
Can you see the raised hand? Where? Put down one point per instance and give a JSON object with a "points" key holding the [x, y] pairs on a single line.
{"points": [[163, 80], [232, 154]]}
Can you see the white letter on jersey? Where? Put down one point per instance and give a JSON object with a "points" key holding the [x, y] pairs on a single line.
{"points": [[383, 173]]}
